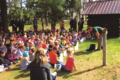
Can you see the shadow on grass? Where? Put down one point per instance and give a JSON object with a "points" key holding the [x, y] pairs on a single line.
{"points": [[14, 69], [67, 75], [22, 76], [87, 70], [83, 52], [24, 73]]}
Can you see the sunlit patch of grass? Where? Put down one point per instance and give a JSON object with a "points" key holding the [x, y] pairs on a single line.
{"points": [[30, 27]]}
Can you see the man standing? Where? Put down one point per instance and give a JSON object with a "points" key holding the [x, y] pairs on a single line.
{"points": [[99, 33], [71, 23], [62, 24], [21, 26], [75, 24], [14, 25], [80, 24], [35, 24]]}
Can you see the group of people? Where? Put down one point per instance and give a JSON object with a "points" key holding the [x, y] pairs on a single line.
{"points": [[20, 24], [39, 51], [73, 24]]}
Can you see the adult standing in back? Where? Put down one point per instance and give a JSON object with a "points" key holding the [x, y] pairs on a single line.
{"points": [[62, 24], [14, 25], [71, 23], [75, 24], [35, 24], [80, 24], [21, 25]]}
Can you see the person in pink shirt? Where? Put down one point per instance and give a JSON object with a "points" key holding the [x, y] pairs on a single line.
{"points": [[70, 62], [39, 45], [33, 38]]}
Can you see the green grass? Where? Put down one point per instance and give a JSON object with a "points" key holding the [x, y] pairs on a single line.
{"points": [[89, 64], [27, 27], [67, 26]]}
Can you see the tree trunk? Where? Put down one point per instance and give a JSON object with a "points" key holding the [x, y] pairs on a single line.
{"points": [[71, 11], [53, 24], [0, 9], [21, 3], [42, 24], [4, 15], [46, 18]]}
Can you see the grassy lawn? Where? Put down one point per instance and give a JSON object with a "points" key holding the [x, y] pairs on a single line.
{"points": [[89, 64], [67, 26]]}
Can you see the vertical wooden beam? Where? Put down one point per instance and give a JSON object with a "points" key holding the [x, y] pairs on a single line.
{"points": [[104, 48]]}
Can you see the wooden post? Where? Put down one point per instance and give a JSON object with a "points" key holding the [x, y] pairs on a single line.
{"points": [[104, 48]]}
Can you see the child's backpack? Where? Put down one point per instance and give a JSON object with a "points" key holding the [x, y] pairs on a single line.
{"points": [[92, 47]]}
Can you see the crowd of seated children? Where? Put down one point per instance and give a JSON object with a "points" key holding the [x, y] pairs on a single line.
{"points": [[16, 47]]}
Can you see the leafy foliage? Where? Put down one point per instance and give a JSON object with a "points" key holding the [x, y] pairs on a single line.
{"points": [[53, 9]]}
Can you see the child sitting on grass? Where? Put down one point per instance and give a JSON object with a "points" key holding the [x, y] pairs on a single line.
{"points": [[24, 62], [11, 56], [4, 61], [19, 52], [12, 46], [53, 58], [27, 46], [31, 45], [3, 47], [70, 62], [32, 54]]}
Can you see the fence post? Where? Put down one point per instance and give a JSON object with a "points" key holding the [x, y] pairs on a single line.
{"points": [[104, 48]]}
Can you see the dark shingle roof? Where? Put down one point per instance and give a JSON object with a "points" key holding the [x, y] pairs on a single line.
{"points": [[102, 7]]}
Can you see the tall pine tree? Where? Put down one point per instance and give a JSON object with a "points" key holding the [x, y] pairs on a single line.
{"points": [[4, 15]]}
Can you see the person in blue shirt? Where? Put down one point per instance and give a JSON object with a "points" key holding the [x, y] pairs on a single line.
{"points": [[3, 47]]}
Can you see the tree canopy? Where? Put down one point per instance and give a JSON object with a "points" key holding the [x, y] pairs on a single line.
{"points": [[53, 10]]}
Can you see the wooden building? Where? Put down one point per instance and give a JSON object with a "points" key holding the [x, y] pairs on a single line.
{"points": [[104, 14]]}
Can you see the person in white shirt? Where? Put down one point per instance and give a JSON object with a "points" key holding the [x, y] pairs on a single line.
{"points": [[25, 61], [19, 52]]}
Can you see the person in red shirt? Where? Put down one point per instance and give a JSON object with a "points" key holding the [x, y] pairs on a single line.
{"points": [[70, 63], [53, 58]]}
